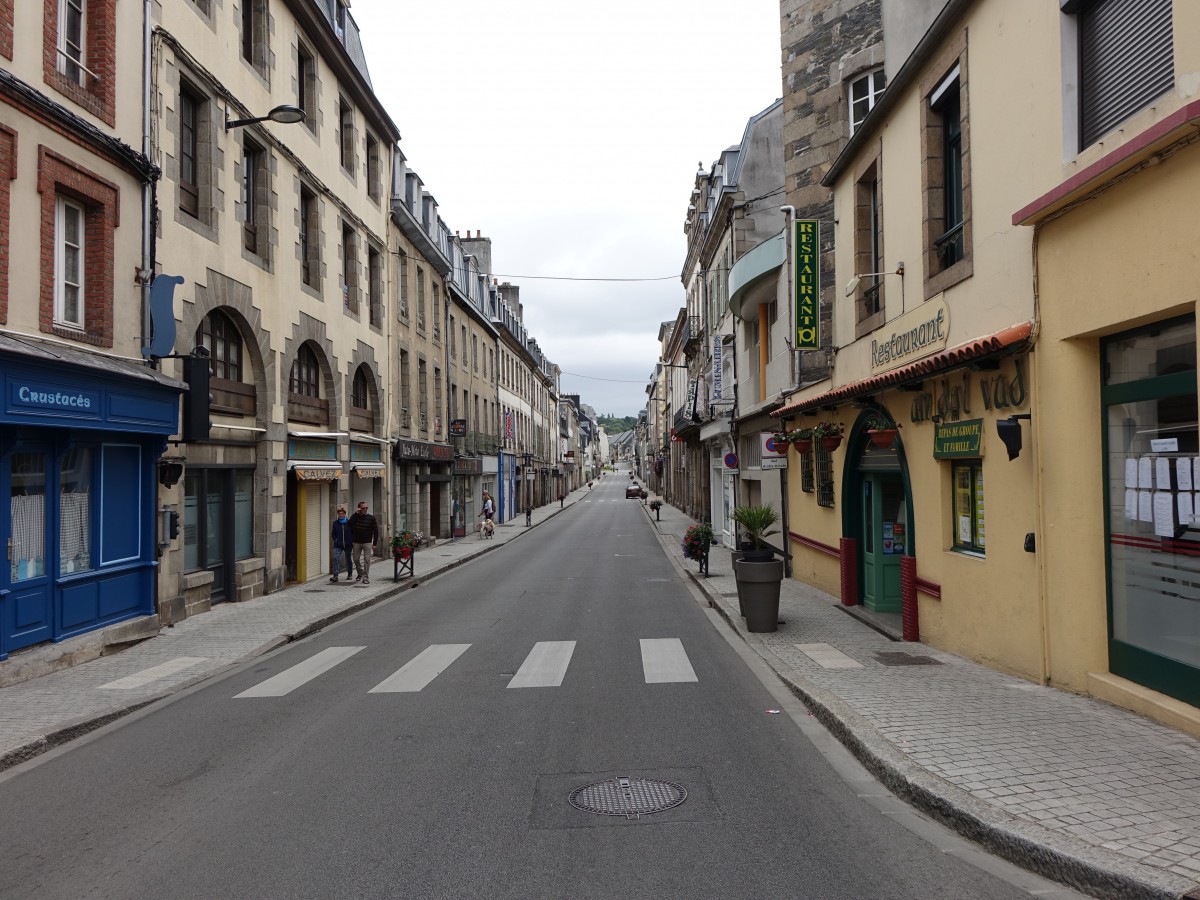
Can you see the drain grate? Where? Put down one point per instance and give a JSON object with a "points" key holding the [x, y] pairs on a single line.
{"points": [[628, 797], [893, 658]]}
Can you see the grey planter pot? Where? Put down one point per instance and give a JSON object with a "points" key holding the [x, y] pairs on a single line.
{"points": [[758, 589], [734, 556]]}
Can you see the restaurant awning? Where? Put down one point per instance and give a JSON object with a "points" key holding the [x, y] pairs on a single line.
{"points": [[313, 470], [1013, 339]]}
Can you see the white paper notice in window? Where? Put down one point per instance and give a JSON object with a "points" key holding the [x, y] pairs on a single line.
{"points": [[1164, 514]]}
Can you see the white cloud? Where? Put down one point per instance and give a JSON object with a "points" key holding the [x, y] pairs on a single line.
{"points": [[570, 135]]}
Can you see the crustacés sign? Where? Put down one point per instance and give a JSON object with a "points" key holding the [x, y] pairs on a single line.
{"points": [[913, 335], [806, 258]]}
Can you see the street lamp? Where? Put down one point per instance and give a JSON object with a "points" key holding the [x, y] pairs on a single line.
{"points": [[284, 114]]}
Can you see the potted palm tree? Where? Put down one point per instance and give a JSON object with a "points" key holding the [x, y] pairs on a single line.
{"points": [[758, 574]]}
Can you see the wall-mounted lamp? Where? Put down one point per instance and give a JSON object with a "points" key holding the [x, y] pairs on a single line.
{"points": [[852, 284], [1010, 432], [284, 114]]}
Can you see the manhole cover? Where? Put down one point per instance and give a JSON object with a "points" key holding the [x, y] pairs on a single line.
{"points": [[906, 659], [628, 797]]}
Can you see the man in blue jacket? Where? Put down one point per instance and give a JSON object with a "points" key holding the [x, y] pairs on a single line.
{"points": [[341, 544]]}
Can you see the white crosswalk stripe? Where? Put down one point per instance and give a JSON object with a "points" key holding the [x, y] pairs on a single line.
{"points": [[545, 666], [664, 660], [301, 673], [421, 669], [154, 673]]}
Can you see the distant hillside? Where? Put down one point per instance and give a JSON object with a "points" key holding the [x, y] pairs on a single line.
{"points": [[614, 425]]}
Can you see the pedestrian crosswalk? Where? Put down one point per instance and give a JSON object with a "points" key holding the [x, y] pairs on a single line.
{"points": [[664, 661]]}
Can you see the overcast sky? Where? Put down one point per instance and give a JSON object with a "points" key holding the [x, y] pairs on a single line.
{"points": [[570, 134]]}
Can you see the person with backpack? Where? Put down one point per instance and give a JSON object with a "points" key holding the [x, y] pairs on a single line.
{"points": [[340, 538], [364, 535]]}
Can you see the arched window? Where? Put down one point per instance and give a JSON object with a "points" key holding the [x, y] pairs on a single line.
{"points": [[306, 373], [362, 417], [219, 336], [360, 390]]}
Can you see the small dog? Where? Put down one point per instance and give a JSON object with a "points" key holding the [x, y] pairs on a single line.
{"points": [[487, 529]]}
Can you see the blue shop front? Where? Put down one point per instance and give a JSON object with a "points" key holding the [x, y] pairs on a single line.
{"points": [[80, 439]]}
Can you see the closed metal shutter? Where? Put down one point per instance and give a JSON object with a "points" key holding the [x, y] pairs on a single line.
{"points": [[313, 531], [1126, 60]]}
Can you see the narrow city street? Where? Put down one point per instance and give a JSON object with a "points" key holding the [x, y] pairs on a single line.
{"points": [[430, 747]]}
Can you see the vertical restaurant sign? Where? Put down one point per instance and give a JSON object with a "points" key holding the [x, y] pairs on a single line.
{"points": [[806, 273], [689, 409], [716, 367]]}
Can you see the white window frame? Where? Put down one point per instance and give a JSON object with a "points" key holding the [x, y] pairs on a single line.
{"points": [[65, 59], [62, 207], [873, 82]]}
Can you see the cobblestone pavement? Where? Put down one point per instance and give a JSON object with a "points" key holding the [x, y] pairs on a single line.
{"points": [[1071, 787]]}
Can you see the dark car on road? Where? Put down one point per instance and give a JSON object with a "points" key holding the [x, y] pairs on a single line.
{"points": [[635, 491]]}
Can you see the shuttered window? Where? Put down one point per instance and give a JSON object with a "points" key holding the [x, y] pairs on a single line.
{"points": [[1126, 55]]}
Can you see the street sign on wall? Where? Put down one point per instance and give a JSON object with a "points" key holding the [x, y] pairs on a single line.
{"points": [[774, 455]]}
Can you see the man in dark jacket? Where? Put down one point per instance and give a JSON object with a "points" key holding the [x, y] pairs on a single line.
{"points": [[364, 535], [340, 538]]}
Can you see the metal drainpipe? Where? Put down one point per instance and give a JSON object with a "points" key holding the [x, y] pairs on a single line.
{"points": [[147, 187]]}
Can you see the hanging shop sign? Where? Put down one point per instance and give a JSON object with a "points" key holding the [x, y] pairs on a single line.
{"points": [[806, 276], [912, 336], [958, 440], [468, 465], [458, 427], [717, 385]]}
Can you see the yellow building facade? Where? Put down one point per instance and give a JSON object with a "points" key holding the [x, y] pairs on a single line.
{"points": [[998, 247]]}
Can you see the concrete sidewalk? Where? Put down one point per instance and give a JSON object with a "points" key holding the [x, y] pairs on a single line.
{"points": [[44, 712], [1070, 787]]}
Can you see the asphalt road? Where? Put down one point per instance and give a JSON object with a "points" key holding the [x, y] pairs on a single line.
{"points": [[452, 779]]}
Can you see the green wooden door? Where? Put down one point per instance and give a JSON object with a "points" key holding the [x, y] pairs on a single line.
{"points": [[883, 540]]}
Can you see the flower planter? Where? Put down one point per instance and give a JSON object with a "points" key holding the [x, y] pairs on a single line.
{"points": [[758, 589], [804, 446], [883, 438], [402, 552], [831, 443]]}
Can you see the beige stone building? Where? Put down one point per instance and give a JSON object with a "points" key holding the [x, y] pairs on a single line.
{"points": [[280, 232], [1028, 510]]}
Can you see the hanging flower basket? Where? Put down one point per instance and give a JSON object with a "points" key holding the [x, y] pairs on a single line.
{"points": [[829, 434], [883, 438], [803, 445], [881, 430]]}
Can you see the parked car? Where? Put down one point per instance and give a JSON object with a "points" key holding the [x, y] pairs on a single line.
{"points": [[635, 491]]}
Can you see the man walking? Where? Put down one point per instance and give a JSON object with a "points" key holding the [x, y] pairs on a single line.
{"points": [[364, 534], [340, 537]]}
